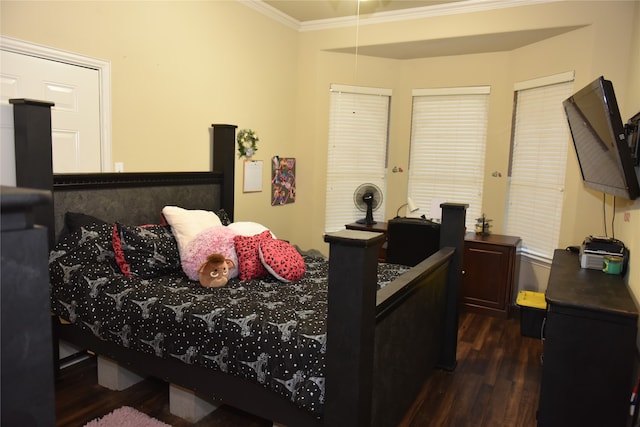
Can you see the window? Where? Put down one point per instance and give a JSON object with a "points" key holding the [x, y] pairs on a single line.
{"points": [[538, 161], [357, 153], [448, 139]]}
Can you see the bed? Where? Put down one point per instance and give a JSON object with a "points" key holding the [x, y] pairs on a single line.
{"points": [[339, 359]]}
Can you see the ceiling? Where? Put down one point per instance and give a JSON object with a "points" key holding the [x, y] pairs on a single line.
{"points": [[311, 14], [482, 43], [314, 10]]}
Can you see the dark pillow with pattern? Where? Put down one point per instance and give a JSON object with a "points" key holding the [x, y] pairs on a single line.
{"points": [[224, 217], [73, 221], [145, 251]]}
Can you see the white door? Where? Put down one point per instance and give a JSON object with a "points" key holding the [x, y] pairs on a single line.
{"points": [[75, 118]]}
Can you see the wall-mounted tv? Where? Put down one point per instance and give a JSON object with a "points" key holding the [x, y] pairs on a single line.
{"points": [[602, 141]]}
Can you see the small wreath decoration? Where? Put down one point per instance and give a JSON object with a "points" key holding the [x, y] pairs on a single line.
{"points": [[247, 143]]}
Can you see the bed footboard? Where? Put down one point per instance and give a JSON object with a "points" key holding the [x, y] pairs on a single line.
{"points": [[390, 346], [410, 325]]}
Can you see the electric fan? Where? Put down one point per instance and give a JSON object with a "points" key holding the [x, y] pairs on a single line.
{"points": [[367, 197]]}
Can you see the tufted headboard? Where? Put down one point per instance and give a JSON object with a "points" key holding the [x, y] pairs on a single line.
{"points": [[134, 198]]}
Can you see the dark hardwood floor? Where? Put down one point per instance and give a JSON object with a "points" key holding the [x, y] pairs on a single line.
{"points": [[496, 383]]}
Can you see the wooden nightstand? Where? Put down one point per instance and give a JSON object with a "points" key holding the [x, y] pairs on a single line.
{"points": [[491, 267], [378, 227]]}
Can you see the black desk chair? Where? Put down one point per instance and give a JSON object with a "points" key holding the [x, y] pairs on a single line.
{"points": [[411, 240]]}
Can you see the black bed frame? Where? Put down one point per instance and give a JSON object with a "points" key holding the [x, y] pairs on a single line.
{"points": [[381, 346]]}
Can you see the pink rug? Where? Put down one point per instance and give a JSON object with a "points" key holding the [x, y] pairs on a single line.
{"points": [[126, 417]]}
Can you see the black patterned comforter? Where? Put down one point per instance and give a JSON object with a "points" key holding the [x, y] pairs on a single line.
{"points": [[263, 330]]}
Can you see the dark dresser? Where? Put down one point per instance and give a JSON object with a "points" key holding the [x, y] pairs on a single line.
{"points": [[27, 388], [589, 347]]}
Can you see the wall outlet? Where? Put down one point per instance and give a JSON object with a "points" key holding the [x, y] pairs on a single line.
{"points": [[119, 166], [627, 216]]}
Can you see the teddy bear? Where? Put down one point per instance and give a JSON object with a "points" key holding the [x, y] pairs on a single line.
{"points": [[214, 272], [214, 240]]}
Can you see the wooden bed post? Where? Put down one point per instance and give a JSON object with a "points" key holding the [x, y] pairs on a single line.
{"points": [[351, 327], [452, 235], [34, 158], [224, 143]]}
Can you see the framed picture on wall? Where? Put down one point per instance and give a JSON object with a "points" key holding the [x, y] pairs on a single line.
{"points": [[283, 180]]}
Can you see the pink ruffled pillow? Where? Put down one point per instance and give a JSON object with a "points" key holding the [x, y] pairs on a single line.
{"points": [[214, 240], [282, 260], [247, 248]]}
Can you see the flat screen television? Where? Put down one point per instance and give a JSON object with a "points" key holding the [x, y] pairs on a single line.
{"points": [[601, 140]]}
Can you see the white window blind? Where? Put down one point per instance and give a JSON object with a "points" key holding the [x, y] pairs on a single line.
{"points": [[538, 161], [357, 152], [448, 139]]}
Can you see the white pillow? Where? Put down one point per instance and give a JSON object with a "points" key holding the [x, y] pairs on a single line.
{"points": [[248, 228], [186, 224]]}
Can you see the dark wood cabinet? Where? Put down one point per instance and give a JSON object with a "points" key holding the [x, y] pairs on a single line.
{"points": [[378, 227], [589, 347], [491, 267]]}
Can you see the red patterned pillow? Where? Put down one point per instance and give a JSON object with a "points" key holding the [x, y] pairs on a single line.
{"points": [[282, 260], [247, 249]]}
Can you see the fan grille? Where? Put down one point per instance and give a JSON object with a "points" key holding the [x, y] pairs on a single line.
{"points": [[367, 197], [361, 191]]}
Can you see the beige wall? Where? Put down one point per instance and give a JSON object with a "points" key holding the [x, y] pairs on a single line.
{"points": [[179, 66], [590, 50], [630, 231]]}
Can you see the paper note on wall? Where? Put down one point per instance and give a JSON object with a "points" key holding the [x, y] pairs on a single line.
{"points": [[252, 176]]}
